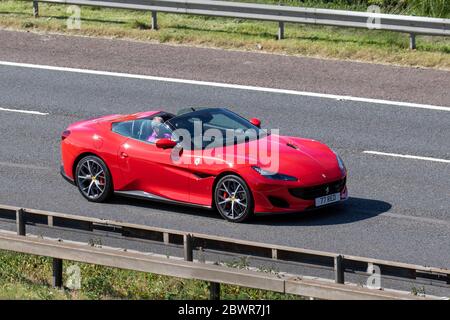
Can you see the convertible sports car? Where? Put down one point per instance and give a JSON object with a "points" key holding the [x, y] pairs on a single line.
{"points": [[182, 159]]}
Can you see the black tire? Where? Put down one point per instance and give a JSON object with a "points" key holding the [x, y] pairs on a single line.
{"points": [[93, 179], [235, 204]]}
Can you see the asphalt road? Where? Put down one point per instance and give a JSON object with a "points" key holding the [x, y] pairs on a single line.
{"points": [[398, 210], [367, 80]]}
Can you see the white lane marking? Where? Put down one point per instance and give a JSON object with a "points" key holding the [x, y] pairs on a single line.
{"points": [[407, 156], [23, 166], [229, 86], [24, 111], [418, 219], [374, 214]]}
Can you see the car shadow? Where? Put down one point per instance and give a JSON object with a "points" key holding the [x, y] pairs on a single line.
{"points": [[352, 210]]}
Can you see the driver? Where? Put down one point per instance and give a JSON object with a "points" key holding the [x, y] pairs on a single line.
{"points": [[157, 124]]}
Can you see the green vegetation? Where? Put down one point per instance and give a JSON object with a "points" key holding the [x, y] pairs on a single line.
{"points": [[305, 40], [28, 277], [429, 8]]}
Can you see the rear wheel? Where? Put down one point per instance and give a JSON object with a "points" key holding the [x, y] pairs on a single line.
{"points": [[93, 179], [233, 199]]}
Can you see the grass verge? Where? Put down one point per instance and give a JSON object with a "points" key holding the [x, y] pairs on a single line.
{"points": [[29, 277], [314, 41]]}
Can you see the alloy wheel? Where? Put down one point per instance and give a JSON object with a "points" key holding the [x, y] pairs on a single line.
{"points": [[232, 198], [91, 178]]}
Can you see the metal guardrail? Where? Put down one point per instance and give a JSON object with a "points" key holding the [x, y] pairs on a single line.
{"points": [[282, 14], [170, 267], [190, 242]]}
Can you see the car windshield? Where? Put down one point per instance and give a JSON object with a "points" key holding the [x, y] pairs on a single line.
{"points": [[213, 127]]}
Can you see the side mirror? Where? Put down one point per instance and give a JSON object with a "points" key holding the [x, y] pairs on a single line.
{"points": [[256, 122], [165, 143]]}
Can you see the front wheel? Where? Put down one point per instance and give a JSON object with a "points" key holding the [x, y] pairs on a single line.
{"points": [[233, 199], [93, 179]]}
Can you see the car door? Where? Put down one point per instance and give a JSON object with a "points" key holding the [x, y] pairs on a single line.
{"points": [[152, 170]]}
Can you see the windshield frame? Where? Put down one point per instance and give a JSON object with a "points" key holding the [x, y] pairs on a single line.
{"points": [[260, 133]]}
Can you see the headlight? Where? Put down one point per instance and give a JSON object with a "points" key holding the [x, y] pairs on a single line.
{"points": [[273, 175], [341, 163]]}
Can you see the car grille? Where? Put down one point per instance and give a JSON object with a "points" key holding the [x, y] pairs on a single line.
{"points": [[310, 193]]}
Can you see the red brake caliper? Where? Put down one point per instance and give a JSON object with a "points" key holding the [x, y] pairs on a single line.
{"points": [[225, 196]]}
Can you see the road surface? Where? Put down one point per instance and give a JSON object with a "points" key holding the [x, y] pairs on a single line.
{"points": [[398, 207]]}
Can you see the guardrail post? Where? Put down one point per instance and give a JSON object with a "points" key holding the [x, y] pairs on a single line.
{"points": [[412, 41], [154, 20], [280, 35], [214, 291], [338, 269], [57, 273], [35, 9], [20, 222], [188, 250]]}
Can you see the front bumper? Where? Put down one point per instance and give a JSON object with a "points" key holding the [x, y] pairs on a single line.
{"points": [[279, 199]]}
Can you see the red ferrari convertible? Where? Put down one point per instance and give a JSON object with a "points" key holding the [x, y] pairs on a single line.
{"points": [[208, 157]]}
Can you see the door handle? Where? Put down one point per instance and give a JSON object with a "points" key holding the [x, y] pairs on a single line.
{"points": [[123, 155]]}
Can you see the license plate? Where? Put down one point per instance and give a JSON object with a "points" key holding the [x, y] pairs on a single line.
{"points": [[335, 197]]}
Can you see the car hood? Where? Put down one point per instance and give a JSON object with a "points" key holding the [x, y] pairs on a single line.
{"points": [[310, 161]]}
